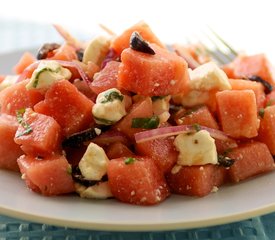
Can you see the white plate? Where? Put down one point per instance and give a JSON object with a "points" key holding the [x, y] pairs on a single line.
{"points": [[231, 203]]}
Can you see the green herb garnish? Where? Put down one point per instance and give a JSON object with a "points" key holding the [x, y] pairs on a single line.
{"points": [[35, 83], [129, 160], [261, 112], [146, 123], [23, 123], [110, 97], [196, 127]]}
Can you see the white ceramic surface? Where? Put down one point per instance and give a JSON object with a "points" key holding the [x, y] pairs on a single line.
{"points": [[231, 203]]}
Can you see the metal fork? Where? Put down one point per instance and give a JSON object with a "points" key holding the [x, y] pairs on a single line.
{"points": [[208, 44]]}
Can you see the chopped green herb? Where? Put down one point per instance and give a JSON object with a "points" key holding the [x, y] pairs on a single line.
{"points": [[146, 123], [261, 112], [69, 170], [197, 127], [110, 97], [225, 161], [129, 160], [155, 98], [23, 123], [103, 121]]}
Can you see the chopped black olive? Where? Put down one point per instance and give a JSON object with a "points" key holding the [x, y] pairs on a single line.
{"points": [[77, 139], [139, 44], [79, 53], [78, 177], [267, 86], [225, 161], [45, 49]]}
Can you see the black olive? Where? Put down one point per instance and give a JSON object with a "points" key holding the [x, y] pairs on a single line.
{"points": [[267, 86], [78, 177], [45, 49], [225, 161], [77, 139], [139, 44], [80, 53]]}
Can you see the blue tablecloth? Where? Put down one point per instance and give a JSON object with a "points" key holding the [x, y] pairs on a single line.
{"points": [[19, 35]]}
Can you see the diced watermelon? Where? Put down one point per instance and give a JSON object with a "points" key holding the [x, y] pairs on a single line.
{"points": [[83, 87], [250, 159], [267, 128], [201, 116], [70, 108], [270, 99], [44, 138], [258, 89], [9, 150], [65, 53], [122, 41], [17, 97], [49, 176], [237, 112], [257, 65], [26, 60], [138, 182], [161, 150], [118, 150], [161, 74], [141, 109], [106, 78], [196, 180]]}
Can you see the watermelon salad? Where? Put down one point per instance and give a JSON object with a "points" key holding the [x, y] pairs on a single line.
{"points": [[124, 117]]}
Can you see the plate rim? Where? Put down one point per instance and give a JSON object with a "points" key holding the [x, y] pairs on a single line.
{"points": [[131, 227]]}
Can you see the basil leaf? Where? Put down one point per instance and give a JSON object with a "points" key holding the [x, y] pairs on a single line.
{"points": [[147, 123], [110, 97], [129, 160], [23, 123]]}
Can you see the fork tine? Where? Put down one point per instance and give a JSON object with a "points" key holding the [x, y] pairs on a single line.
{"points": [[224, 42], [218, 52]]}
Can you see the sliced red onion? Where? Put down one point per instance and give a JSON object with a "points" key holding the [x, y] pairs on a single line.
{"points": [[77, 67], [34, 65], [175, 130]]}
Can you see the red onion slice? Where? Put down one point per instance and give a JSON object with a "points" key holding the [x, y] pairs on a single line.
{"points": [[175, 130]]}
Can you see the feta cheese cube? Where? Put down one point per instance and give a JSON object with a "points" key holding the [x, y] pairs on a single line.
{"points": [[196, 149], [101, 190], [208, 77], [8, 81], [93, 164], [47, 73], [96, 50], [109, 107]]}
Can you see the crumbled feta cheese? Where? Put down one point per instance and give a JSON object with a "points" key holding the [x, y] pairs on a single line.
{"points": [[47, 73], [97, 131], [203, 79], [214, 189], [208, 76], [108, 111], [8, 81], [96, 50], [93, 164], [196, 149], [101, 190]]}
